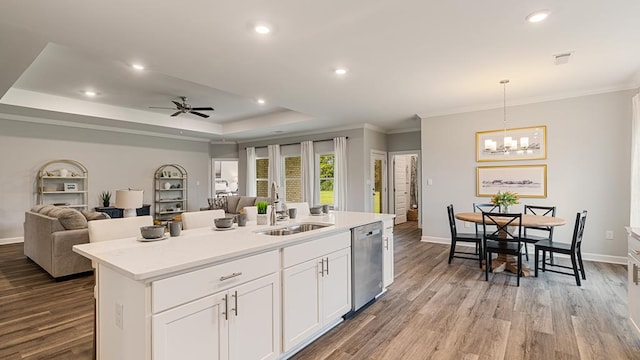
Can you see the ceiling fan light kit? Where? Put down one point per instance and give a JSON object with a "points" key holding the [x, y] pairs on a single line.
{"points": [[184, 108]]}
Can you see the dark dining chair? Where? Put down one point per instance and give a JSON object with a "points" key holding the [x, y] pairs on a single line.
{"points": [[470, 238], [533, 234], [574, 250], [480, 207], [505, 239]]}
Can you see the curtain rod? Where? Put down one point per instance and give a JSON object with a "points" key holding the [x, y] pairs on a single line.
{"points": [[258, 147]]}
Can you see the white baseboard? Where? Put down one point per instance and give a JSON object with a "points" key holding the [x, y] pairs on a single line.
{"points": [[11, 240], [585, 256]]}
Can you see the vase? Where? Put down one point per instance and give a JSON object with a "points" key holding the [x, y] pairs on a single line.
{"points": [[261, 219], [505, 209], [167, 185]]}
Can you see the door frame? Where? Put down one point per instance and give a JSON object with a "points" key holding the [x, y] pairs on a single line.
{"points": [[392, 181], [378, 155]]}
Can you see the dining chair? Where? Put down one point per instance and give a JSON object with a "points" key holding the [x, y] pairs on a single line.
{"points": [[486, 207], [302, 208], [200, 219], [456, 236], [533, 234], [505, 239], [574, 250]]}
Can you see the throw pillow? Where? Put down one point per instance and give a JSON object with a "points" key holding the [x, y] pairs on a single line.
{"points": [[45, 210], [95, 215], [232, 203], [54, 212], [72, 219], [245, 201], [218, 203], [37, 208]]}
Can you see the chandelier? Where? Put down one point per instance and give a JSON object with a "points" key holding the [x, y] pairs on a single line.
{"points": [[508, 143]]}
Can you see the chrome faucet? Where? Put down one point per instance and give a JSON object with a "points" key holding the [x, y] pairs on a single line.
{"points": [[274, 202]]}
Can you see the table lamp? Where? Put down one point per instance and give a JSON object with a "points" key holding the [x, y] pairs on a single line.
{"points": [[129, 200]]}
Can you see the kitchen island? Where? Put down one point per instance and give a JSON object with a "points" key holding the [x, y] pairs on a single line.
{"points": [[236, 294]]}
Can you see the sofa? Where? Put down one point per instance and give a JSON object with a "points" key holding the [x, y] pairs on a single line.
{"points": [[49, 235], [233, 204]]}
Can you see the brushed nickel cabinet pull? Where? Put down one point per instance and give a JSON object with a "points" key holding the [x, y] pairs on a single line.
{"points": [[226, 306], [322, 267], [227, 277], [235, 296], [327, 266], [635, 274]]}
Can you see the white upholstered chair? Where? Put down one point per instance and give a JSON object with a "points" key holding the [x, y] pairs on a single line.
{"points": [[112, 229], [302, 208], [200, 219]]}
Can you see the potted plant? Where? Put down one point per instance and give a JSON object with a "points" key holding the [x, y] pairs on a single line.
{"points": [[505, 199], [179, 206], [262, 212], [105, 196]]}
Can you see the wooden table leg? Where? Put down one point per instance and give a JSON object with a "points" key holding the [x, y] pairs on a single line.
{"points": [[509, 263]]}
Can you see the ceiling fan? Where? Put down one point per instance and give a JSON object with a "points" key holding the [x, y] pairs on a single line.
{"points": [[185, 108]]}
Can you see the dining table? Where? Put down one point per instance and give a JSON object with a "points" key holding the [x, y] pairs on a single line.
{"points": [[508, 262]]}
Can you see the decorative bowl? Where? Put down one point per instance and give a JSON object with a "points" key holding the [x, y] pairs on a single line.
{"points": [[152, 232], [315, 210], [223, 223]]}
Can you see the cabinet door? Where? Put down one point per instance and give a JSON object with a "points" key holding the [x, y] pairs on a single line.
{"points": [[196, 330], [254, 315], [300, 302], [387, 258], [336, 285]]}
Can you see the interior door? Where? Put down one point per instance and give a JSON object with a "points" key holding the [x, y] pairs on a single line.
{"points": [[378, 181], [401, 187]]}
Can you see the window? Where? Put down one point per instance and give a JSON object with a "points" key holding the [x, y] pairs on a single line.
{"points": [[293, 178], [326, 164], [262, 177]]}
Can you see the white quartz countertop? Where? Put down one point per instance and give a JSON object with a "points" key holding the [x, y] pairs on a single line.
{"points": [[147, 261]]}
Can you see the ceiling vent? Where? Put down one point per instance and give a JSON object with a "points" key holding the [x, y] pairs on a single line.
{"points": [[561, 59]]}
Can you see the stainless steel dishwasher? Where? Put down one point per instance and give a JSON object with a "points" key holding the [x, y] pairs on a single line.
{"points": [[366, 264]]}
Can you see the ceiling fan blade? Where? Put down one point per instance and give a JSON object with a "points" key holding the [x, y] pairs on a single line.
{"points": [[177, 104], [158, 107], [199, 114], [203, 108], [176, 113]]}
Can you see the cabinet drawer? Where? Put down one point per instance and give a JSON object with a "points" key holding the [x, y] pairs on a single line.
{"points": [[179, 289], [387, 227], [300, 253]]}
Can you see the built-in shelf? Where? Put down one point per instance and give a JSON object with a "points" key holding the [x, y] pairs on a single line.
{"points": [[56, 176]]}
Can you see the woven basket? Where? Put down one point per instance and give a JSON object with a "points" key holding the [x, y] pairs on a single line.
{"points": [[412, 214]]}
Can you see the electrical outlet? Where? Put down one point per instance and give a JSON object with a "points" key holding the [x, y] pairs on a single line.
{"points": [[608, 235], [119, 313]]}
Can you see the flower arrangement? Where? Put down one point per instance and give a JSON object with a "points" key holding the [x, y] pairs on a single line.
{"points": [[505, 199]]}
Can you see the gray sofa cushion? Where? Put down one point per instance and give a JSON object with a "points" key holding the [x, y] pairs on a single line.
{"points": [[72, 219], [232, 203], [244, 201], [95, 215]]}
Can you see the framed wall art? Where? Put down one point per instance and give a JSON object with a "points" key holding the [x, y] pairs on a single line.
{"points": [[525, 180], [70, 187], [528, 143]]}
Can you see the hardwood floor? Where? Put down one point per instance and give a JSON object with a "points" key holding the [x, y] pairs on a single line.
{"points": [[432, 311]]}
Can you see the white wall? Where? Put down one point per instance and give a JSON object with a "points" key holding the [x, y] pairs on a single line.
{"points": [[588, 161], [114, 160]]}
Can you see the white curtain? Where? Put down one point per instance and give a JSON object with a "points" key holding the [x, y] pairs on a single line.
{"points": [[251, 172], [634, 220], [340, 174], [308, 172], [275, 167]]}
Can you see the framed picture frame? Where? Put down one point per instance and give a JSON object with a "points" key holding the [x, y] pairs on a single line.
{"points": [[70, 187], [528, 143], [525, 180]]}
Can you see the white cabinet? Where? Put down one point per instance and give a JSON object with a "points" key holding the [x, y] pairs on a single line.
{"points": [[239, 323], [387, 253], [633, 284], [317, 289]]}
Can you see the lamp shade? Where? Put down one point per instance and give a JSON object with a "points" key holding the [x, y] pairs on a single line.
{"points": [[128, 199]]}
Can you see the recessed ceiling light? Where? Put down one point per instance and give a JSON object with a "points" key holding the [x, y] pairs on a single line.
{"points": [[261, 101], [537, 16], [137, 66], [262, 29], [90, 93], [340, 71]]}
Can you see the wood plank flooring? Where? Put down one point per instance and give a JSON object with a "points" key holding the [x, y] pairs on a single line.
{"points": [[432, 311]]}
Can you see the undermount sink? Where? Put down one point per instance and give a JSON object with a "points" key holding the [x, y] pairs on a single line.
{"points": [[293, 229]]}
